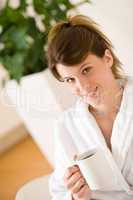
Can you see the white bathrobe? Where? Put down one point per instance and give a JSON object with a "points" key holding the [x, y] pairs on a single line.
{"points": [[77, 131]]}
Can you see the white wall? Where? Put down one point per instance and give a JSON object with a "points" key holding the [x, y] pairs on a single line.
{"points": [[115, 17], [8, 116], [10, 121], [39, 100]]}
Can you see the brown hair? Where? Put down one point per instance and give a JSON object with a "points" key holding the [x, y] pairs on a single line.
{"points": [[70, 42]]}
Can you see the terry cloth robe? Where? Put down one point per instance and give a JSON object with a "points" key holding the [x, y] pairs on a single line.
{"points": [[77, 131]]}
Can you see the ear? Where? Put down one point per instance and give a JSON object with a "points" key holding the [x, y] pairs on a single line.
{"points": [[108, 58]]}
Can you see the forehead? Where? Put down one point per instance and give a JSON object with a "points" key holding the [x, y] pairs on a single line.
{"points": [[67, 70]]}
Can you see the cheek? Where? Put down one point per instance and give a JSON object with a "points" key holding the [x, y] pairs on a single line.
{"points": [[75, 91], [102, 76]]}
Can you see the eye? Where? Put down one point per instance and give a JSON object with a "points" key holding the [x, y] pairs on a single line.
{"points": [[69, 80], [86, 70]]}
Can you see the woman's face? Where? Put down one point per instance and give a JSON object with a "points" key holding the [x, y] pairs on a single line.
{"points": [[92, 79]]}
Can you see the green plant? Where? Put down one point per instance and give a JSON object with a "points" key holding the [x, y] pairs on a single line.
{"points": [[22, 42]]}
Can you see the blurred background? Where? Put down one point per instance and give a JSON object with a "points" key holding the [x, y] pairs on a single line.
{"points": [[30, 98]]}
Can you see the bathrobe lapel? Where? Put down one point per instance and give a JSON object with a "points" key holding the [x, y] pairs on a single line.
{"points": [[122, 133]]}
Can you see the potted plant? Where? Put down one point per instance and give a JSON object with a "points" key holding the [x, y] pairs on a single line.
{"points": [[23, 36]]}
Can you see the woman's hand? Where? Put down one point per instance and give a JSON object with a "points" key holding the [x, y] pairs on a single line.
{"points": [[76, 183]]}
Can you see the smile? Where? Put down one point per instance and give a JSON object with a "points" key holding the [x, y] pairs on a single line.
{"points": [[91, 94]]}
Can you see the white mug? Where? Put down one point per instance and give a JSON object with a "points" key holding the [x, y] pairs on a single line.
{"points": [[99, 172]]}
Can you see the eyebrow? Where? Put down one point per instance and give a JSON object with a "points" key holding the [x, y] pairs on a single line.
{"points": [[82, 65]]}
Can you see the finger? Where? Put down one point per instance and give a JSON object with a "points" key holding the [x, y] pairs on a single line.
{"points": [[73, 179], [79, 184], [84, 192], [70, 171]]}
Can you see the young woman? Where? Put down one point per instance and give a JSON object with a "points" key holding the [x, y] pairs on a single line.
{"points": [[82, 57]]}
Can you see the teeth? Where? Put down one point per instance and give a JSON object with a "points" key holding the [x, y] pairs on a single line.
{"points": [[96, 89], [91, 93]]}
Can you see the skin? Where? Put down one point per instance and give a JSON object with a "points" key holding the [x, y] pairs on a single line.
{"points": [[92, 73], [93, 81], [76, 183]]}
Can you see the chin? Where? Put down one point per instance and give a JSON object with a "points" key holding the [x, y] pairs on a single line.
{"points": [[92, 102]]}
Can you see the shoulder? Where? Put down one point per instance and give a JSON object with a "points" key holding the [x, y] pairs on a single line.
{"points": [[66, 122], [129, 84], [129, 79], [64, 117], [70, 113]]}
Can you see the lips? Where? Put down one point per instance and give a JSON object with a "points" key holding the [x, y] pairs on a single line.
{"points": [[93, 92]]}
